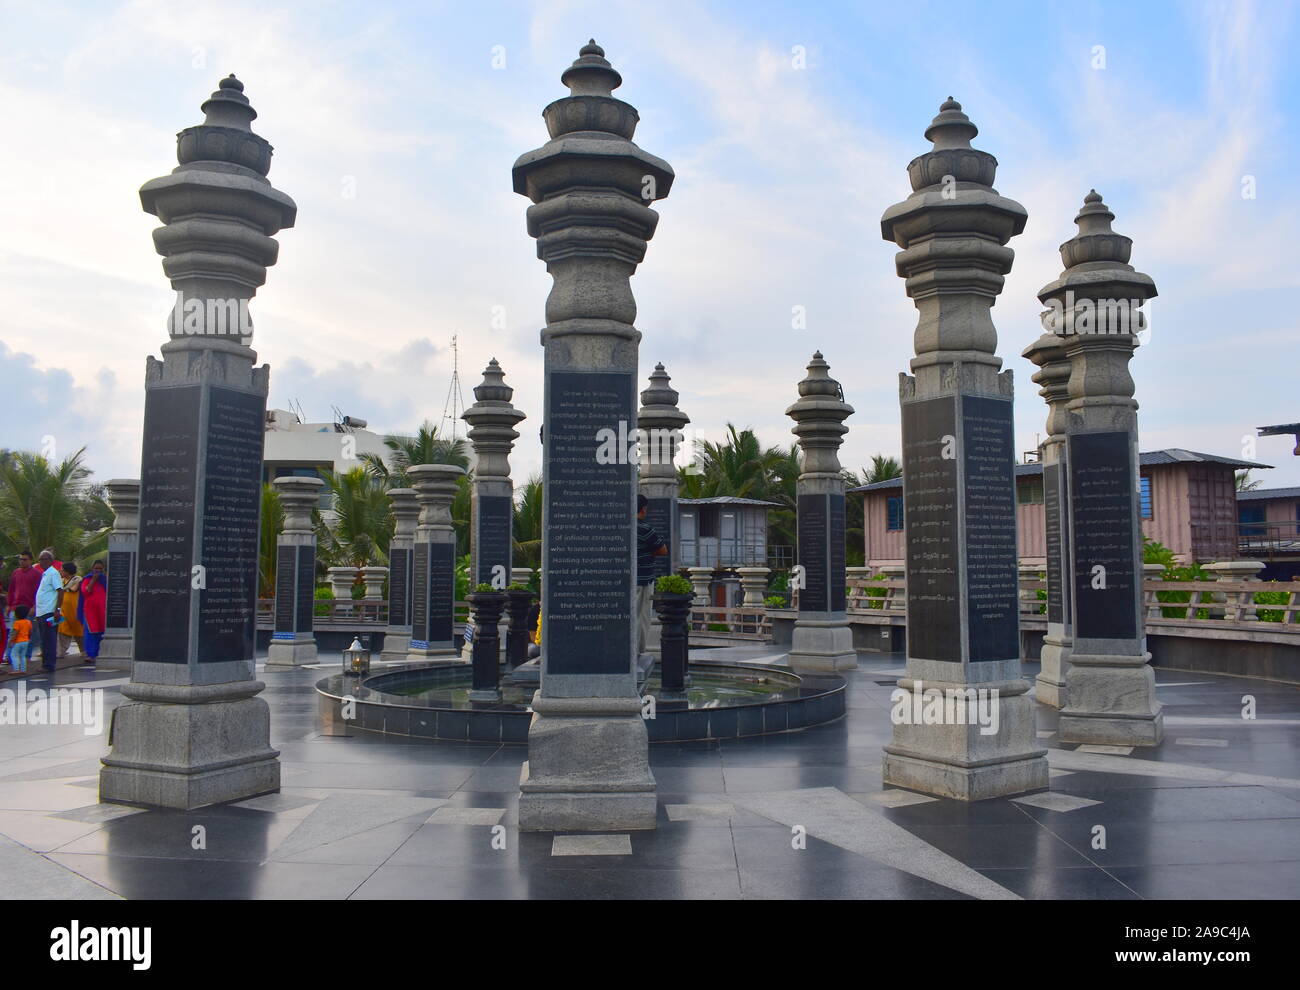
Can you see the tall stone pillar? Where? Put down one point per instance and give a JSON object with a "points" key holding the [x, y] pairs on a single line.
{"points": [[1053, 378], [193, 731], [293, 640], [1095, 309], [492, 420], [397, 635], [963, 617], [822, 638], [433, 563], [123, 542], [660, 423], [588, 752]]}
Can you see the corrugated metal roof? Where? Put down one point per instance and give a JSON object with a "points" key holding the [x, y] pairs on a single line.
{"points": [[1263, 493], [1148, 458]]}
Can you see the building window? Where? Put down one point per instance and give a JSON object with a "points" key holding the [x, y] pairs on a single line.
{"points": [[1030, 491], [895, 513], [1250, 514], [1146, 497]]}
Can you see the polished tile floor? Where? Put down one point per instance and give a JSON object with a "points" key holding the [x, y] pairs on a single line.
{"points": [[1214, 812]]}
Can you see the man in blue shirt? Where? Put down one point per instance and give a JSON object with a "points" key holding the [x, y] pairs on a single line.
{"points": [[49, 599]]}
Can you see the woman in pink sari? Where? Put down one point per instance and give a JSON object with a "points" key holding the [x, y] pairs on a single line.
{"points": [[93, 607]]}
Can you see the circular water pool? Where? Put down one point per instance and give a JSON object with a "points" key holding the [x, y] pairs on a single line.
{"points": [[724, 701]]}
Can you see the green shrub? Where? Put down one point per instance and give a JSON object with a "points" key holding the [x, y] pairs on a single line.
{"points": [[1173, 573], [673, 584], [1271, 598], [516, 586], [322, 594], [719, 627], [483, 587], [780, 581], [774, 601], [876, 591]]}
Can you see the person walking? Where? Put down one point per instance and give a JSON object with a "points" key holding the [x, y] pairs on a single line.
{"points": [[649, 545], [93, 610], [49, 599], [22, 587], [70, 629], [22, 639]]}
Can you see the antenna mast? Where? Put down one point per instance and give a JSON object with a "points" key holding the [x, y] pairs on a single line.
{"points": [[454, 404]]}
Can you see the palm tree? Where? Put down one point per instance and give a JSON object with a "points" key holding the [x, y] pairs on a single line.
{"points": [[528, 522], [426, 447], [882, 469], [267, 546], [362, 525], [44, 505], [1244, 484]]}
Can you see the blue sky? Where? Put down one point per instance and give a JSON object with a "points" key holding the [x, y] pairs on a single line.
{"points": [[782, 175]]}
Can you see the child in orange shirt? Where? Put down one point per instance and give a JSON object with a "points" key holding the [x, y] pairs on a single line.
{"points": [[22, 638]]}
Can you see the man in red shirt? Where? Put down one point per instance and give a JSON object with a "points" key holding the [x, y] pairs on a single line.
{"points": [[23, 583]]}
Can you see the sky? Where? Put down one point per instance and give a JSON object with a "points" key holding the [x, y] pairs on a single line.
{"points": [[789, 127]]}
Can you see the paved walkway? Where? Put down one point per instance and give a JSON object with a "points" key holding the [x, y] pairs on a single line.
{"points": [[1212, 813]]}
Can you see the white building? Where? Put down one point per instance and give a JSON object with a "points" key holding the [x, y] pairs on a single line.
{"points": [[305, 449]]}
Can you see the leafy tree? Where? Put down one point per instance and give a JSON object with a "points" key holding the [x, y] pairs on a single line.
{"points": [[426, 447], [361, 527], [272, 527], [1244, 483], [50, 505], [528, 523]]}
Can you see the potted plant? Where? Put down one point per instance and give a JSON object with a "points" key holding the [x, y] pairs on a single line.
{"points": [[672, 600], [519, 601], [487, 606]]}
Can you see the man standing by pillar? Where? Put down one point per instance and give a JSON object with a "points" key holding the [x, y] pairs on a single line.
{"points": [[49, 604]]}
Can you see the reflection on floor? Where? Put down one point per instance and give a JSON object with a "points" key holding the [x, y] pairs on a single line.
{"points": [[1214, 813]]}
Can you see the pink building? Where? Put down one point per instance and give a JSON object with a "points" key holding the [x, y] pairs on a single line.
{"points": [[1269, 530], [1188, 503]]}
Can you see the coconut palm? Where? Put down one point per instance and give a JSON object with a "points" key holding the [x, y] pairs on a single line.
{"points": [[528, 522], [1244, 484], [426, 447], [267, 544], [44, 505], [361, 526]]}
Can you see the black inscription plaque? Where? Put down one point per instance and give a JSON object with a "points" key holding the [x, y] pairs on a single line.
{"points": [[286, 590], [231, 506], [442, 592], [989, 488], [168, 485], [659, 516], [930, 512], [1102, 501], [590, 548], [821, 552], [119, 599], [494, 538], [399, 587], [306, 589], [420, 597], [1055, 529]]}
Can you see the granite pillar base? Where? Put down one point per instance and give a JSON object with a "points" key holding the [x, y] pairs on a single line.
{"points": [[1049, 685], [588, 767], [397, 647], [822, 646], [117, 646], [1112, 701], [957, 760], [190, 746], [448, 652], [291, 653]]}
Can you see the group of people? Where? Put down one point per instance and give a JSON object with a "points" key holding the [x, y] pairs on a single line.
{"points": [[46, 602]]}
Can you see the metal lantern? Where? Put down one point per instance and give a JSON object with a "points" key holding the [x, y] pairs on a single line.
{"points": [[356, 658]]}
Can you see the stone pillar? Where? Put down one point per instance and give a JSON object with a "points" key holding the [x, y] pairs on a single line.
{"points": [[963, 621], [373, 579], [822, 639], [521, 575], [1094, 308], [660, 424], [433, 563], [492, 421], [753, 581], [1053, 378], [397, 636], [192, 731], [701, 582], [1243, 609], [123, 540], [588, 752], [293, 642], [341, 580]]}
